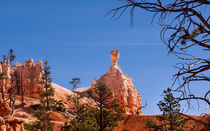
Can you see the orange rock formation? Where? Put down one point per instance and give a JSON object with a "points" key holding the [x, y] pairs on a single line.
{"points": [[28, 76], [7, 122], [121, 85]]}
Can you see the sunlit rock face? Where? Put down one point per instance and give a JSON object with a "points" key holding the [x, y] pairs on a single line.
{"points": [[8, 122], [115, 56], [121, 85], [27, 76]]}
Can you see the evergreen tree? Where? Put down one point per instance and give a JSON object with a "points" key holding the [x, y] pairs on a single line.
{"points": [[171, 119], [46, 102], [75, 82], [21, 88], [10, 57], [48, 90], [83, 117], [12, 89], [108, 112], [42, 124]]}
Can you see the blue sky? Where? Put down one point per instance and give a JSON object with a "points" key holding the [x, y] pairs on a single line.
{"points": [[77, 38]]}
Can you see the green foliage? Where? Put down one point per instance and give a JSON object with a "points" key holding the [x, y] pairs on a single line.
{"points": [[43, 123], [47, 95], [58, 106], [29, 127], [75, 82], [108, 112], [84, 119], [78, 108], [152, 124], [87, 122], [87, 118], [169, 105], [9, 57], [171, 120], [41, 112]]}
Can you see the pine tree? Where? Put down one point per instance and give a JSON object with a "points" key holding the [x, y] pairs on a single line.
{"points": [[171, 119], [108, 112], [48, 90], [46, 102], [42, 124], [75, 82], [84, 118], [21, 88]]}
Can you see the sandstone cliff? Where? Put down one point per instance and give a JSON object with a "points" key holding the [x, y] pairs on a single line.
{"points": [[121, 85]]}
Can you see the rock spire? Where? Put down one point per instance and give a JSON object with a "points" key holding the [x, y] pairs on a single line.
{"points": [[121, 85]]}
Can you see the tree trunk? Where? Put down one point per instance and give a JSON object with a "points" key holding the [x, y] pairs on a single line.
{"points": [[101, 117], [22, 90], [47, 97], [2, 90]]}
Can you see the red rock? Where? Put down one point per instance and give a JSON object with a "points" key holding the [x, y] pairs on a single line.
{"points": [[29, 76], [114, 56], [4, 109], [2, 121], [55, 116], [11, 123], [121, 85]]}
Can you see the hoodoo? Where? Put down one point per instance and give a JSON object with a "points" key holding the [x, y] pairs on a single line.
{"points": [[121, 85], [28, 75]]}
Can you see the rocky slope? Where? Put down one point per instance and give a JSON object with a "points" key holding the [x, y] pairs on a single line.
{"points": [[7, 122]]}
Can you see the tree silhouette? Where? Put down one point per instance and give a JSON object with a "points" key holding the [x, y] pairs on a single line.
{"points": [[185, 27], [75, 82]]}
